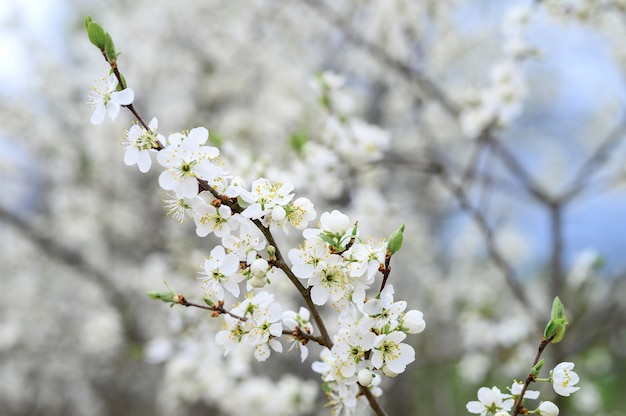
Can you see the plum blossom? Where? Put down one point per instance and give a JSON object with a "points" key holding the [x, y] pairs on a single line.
{"points": [[490, 401], [310, 258], [180, 208], [564, 378], [390, 353], [516, 390], [351, 346], [209, 218], [266, 198], [219, 273], [298, 321], [300, 212], [383, 311], [247, 243], [139, 142], [365, 257], [186, 160], [330, 282], [107, 99]]}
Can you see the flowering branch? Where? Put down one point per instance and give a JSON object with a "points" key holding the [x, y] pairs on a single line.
{"points": [[518, 407], [563, 378], [336, 263]]}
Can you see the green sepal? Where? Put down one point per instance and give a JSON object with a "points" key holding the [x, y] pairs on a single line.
{"points": [[395, 240], [96, 34], [537, 368], [297, 141]]}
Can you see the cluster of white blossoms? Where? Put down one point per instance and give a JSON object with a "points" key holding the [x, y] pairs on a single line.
{"points": [[344, 143], [339, 267], [333, 265], [501, 100], [492, 402]]}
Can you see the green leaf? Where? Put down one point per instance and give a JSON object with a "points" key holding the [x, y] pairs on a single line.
{"points": [[297, 141], [109, 48], [162, 295], [96, 35], [87, 21], [557, 309], [215, 138]]}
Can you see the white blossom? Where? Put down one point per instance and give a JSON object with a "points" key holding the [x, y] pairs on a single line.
{"points": [[490, 401], [107, 99], [564, 379]]}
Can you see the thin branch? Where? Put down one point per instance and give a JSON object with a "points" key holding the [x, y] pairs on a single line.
{"points": [[76, 259], [494, 252], [518, 407], [380, 54], [593, 163]]}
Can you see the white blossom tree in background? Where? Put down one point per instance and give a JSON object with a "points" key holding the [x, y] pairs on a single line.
{"points": [[467, 121]]}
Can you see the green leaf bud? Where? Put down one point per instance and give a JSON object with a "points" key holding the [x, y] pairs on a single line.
{"points": [[395, 240], [109, 48], [162, 295], [96, 35], [537, 368], [557, 309], [555, 329], [168, 296], [87, 21], [208, 301]]}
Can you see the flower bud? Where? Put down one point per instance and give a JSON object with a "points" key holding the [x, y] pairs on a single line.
{"points": [[413, 322], [547, 409], [388, 372], [365, 377], [258, 282], [278, 213], [259, 267]]}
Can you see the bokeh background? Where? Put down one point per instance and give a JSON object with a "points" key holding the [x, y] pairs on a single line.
{"points": [[496, 134]]}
